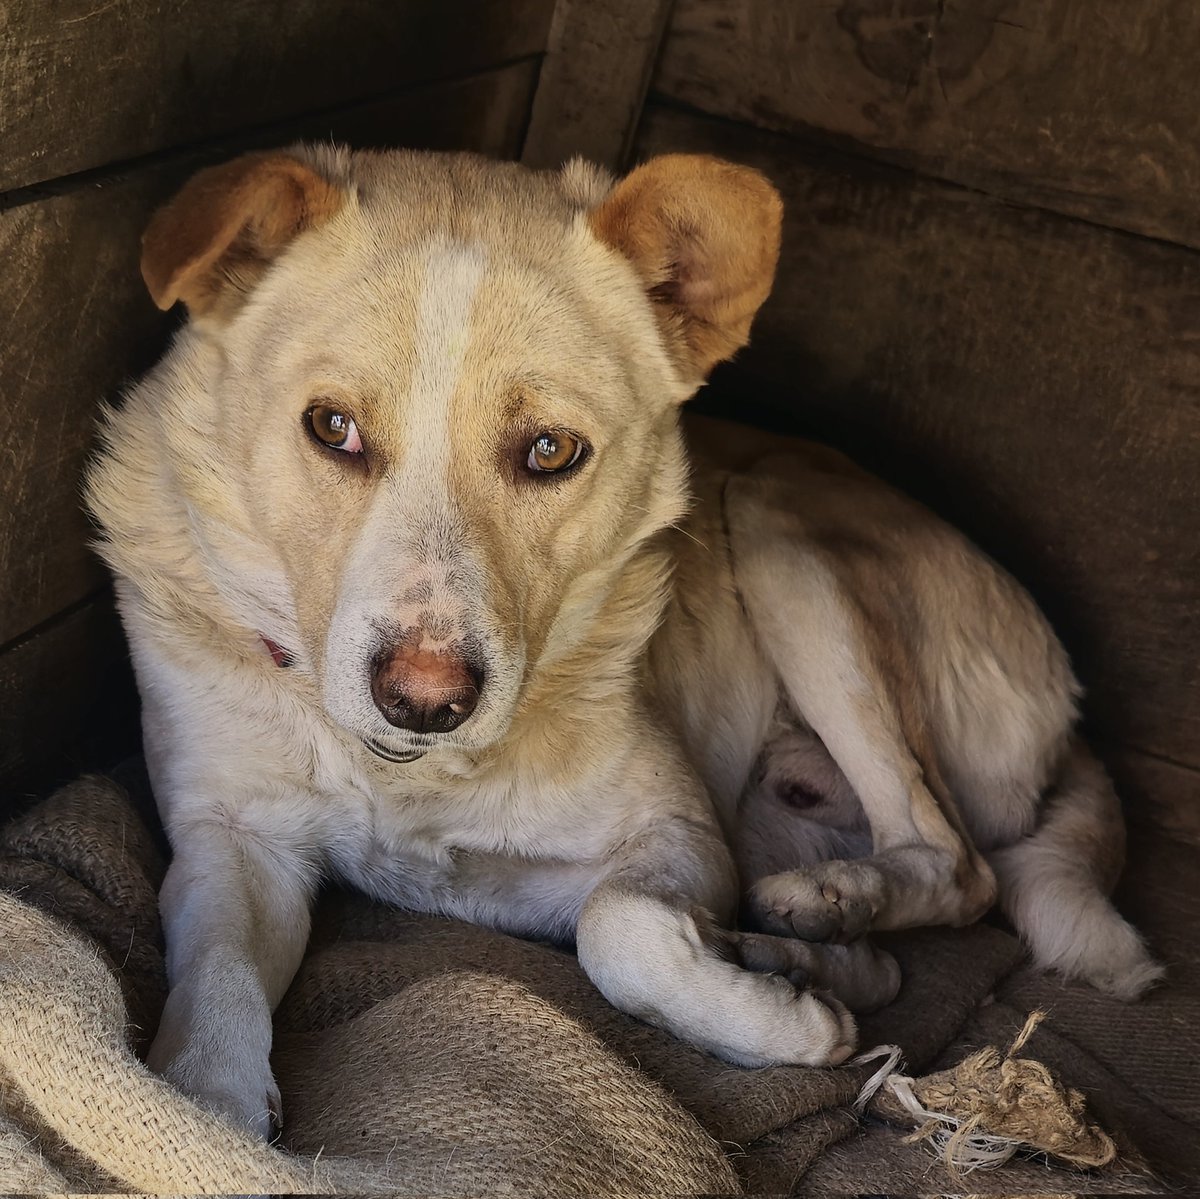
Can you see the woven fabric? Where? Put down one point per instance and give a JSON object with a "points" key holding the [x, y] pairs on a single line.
{"points": [[460, 1084], [1136, 1063], [414, 1055]]}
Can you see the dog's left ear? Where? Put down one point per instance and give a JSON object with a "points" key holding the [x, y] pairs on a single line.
{"points": [[703, 234]]}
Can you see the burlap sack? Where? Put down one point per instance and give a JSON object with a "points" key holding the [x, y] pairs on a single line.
{"points": [[415, 1055], [461, 1084]]}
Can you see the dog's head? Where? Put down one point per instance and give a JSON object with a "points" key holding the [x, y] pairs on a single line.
{"points": [[442, 395]]}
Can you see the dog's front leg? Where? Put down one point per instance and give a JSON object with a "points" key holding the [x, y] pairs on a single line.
{"points": [[235, 913], [648, 938]]}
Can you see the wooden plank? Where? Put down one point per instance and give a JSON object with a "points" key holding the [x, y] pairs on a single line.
{"points": [[1164, 794], [75, 320], [1034, 378], [1085, 107], [84, 83], [67, 699], [594, 80]]}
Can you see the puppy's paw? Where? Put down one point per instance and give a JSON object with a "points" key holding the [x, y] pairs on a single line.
{"points": [[831, 901], [863, 976]]}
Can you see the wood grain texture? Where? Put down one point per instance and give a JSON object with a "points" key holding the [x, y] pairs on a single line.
{"points": [[1085, 107], [594, 79], [1165, 794], [1036, 379], [67, 699], [75, 321], [87, 82]]}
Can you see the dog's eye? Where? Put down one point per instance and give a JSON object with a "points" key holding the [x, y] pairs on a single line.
{"points": [[334, 429], [554, 451]]}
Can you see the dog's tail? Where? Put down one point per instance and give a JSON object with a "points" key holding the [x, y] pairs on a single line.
{"points": [[1055, 884]]}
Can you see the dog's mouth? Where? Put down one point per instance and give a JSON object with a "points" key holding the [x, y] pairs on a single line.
{"points": [[392, 755]]}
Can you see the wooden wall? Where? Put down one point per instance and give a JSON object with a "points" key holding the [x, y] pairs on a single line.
{"points": [[104, 110], [990, 293]]}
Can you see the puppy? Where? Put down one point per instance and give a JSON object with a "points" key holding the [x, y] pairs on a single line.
{"points": [[429, 591]]}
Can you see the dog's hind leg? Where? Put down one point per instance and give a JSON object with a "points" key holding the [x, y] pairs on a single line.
{"points": [[1055, 883], [925, 868]]}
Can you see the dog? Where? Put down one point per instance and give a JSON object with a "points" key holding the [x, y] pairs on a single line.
{"points": [[430, 589]]}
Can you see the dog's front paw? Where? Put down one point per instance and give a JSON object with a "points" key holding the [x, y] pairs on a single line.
{"points": [[223, 1064], [831, 901], [680, 971], [789, 1024], [244, 1092]]}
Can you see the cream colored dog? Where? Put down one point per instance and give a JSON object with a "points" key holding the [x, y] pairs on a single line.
{"points": [[426, 592]]}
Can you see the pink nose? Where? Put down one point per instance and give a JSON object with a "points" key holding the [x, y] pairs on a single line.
{"points": [[425, 691]]}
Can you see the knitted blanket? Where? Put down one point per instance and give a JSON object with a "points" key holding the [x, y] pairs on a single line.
{"points": [[415, 1055]]}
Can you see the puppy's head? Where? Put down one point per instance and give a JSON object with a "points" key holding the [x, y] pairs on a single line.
{"points": [[441, 397]]}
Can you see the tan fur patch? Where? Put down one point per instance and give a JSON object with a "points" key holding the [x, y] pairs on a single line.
{"points": [[227, 223], [704, 236]]}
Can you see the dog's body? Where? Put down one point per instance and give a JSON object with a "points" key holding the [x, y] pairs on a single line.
{"points": [[442, 663]]}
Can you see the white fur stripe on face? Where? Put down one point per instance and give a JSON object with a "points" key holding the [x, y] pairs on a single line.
{"points": [[453, 271], [408, 569]]}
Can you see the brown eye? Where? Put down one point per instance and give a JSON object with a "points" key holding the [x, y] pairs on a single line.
{"points": [[553, 451], [334, 429]]}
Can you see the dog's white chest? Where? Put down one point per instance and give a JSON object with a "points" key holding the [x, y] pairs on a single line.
{"points": [[520, 858], [412, 855]]}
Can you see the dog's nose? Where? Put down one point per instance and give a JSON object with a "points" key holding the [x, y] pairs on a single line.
{"points": [[425, 691]]}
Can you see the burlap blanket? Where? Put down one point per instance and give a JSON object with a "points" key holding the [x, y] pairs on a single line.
{"points": [[415, 1055]]}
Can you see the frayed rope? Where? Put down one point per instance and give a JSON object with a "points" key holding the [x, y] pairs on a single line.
{"points": [[988, 1108], [892, 1055]]}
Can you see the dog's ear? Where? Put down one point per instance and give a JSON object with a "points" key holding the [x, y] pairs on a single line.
{"points": [[703, 234], [210, 243]]}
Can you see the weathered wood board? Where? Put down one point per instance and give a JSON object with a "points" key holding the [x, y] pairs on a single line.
{"points": [[84, 83], [593, 81], [75, 321], [1164, 794], [66, 699], [1086, 107], [1035, 378]]}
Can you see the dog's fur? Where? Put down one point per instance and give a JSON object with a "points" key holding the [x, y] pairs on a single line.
{"points": [[736, 641]]}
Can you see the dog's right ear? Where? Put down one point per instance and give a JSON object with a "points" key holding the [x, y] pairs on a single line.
{"points": [[209, 244]]}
